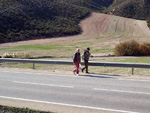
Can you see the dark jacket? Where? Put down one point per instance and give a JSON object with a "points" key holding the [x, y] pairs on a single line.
{"points": [[76, 57], [86, 55]]}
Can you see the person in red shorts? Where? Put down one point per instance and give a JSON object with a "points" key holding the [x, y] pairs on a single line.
{"points": [[77, 61]]}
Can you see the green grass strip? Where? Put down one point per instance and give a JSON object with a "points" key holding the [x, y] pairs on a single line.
{"points": [[6, 109]]}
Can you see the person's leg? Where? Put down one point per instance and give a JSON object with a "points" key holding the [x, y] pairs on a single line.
{"points": [[77, 68], [86, 66]]}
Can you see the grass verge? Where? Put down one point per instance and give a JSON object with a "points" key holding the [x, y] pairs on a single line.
{"points": [[6, 109], [92, 69]]}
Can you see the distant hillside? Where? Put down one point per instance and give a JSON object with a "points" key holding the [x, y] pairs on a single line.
{"points": [[137, 9], [31, 19], [93, 5]]}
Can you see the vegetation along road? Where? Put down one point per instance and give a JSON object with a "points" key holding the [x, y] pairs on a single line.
{"points": [[85, 93]]}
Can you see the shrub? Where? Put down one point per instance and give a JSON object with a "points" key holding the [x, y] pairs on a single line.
{"points": [[128, 48], [17, 55], [148, 22], [7, 55], [144, 49]]}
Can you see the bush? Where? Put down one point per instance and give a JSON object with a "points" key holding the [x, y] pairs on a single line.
{"points": [[128, 48], [17, 55], [7, 55], [148, 22], [144, 49]]}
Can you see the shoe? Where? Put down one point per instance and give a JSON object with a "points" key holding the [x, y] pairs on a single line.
{"points": [[77, 74], [87, 72], [82, 70]]}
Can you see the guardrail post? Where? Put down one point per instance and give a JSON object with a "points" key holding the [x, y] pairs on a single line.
{"points": [[33, 65], [133, 69]]}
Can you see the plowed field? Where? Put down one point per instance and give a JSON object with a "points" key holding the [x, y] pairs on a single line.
{"points": [[114, 26]]}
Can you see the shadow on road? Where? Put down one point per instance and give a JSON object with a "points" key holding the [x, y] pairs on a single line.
{"points": [[99, 75]]}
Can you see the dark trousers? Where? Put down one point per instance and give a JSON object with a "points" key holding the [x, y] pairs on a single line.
{"points": [[86, 65]]}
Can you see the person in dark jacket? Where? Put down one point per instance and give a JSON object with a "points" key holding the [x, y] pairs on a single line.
{"points": [[85, 57], [77, 61]]}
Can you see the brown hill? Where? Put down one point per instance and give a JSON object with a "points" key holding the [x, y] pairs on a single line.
{"points": [[114, 26]]}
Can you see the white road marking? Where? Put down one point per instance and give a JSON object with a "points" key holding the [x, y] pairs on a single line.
{"points": [[138, 80], [68, 76], [43, 84], [121, 91], [35, 73], [54, 85], [69, 105], [26, 73]]}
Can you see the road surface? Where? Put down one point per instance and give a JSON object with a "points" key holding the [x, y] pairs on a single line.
{"points": [[74, 94]]}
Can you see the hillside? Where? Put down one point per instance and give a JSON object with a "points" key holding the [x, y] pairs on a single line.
{"points": [[137, 9], [100, 32], [97, 29], [104, 25], [94, 5], [32, 19], [29, 19]]}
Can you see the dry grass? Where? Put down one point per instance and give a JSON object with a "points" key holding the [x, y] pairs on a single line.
{"points": [[17, 55], [69, 68]]}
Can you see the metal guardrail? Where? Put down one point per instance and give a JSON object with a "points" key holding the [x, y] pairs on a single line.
{"points": [[91, 63]]}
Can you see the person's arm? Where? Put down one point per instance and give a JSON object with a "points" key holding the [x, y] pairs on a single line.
{"points": [[74, 58], [83, 56], [80, 59]]}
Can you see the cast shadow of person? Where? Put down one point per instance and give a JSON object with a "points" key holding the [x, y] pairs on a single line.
{"points": [[99, 75]]}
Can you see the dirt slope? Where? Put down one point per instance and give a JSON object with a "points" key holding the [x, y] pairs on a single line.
{"points": [[109, 28], [114, 26]]}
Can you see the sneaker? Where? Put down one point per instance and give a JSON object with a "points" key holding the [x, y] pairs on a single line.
{"points": [[87, 72], [77, 74], [82, 70]]}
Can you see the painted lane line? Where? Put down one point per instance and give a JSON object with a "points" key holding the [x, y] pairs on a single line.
{"points": [[138, 80], [69, 105], [43, 84], [121, 91], [69, 76], [26, 73], [30, 73]]}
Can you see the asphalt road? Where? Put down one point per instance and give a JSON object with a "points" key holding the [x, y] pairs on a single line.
{"points": [[75, 94]]}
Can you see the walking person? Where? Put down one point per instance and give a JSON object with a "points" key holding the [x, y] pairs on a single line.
{"points": [[85, 57], [77, 62]]}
